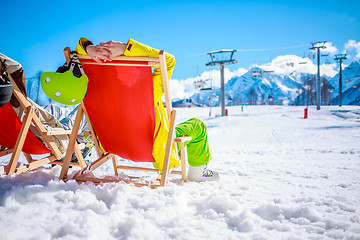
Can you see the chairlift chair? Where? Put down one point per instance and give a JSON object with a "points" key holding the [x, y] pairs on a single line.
{"points": [[199, 84], [206, 89], [256, 74]]}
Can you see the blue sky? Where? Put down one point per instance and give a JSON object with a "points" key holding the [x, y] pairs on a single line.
{"points": [[35, 32]]}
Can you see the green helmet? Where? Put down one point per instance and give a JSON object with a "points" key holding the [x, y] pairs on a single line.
{"points": [[64, 87]]}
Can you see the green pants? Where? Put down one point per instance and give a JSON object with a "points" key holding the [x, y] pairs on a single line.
{"points": [[197, 148]]}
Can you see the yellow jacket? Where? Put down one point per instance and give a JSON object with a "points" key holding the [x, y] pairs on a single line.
{"points": [[133, 49]]}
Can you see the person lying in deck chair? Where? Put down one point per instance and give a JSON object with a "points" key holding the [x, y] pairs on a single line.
{"points": [[198, 149], [16, 71]]}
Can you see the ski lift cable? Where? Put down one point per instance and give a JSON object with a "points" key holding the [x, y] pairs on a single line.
{"points": [[269, 49], [254, 50]]}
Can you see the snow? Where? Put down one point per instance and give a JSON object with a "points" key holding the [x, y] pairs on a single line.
{"points": [[282, 177]]}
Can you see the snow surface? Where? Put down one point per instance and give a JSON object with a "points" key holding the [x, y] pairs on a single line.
{"points": [[282, 177]]}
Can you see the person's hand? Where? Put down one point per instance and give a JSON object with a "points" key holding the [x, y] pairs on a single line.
{"points": [[116, 48], [96, 52]]}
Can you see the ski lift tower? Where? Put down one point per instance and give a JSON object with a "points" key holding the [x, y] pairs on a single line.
{"points": [[340, 57], [222, 57], [317, 46]]}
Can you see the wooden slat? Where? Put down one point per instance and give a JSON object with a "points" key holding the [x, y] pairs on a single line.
{"points": [[102, 180], [94, 165], [137, 168], [6, 152], [35, 164], [182, 139], [149, 64], [61, 132], [73, 164], [126, 58]]}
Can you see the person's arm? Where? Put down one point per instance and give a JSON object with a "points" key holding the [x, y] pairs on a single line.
{"points": [[86, 47], [82, 44]]}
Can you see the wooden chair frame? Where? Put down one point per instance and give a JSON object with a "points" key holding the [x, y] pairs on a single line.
{"points": [[31, 117], [105, 156]]}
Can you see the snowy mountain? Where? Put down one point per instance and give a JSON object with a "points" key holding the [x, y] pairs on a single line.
{"points": [[350, 85], [258, 86]]}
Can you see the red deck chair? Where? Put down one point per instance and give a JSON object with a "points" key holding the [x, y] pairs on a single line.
{"points": [[119, 109], [15, 138]]}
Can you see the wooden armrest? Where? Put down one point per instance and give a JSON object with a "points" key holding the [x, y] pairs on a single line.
{"points": [[182, 139], [62, 132]]}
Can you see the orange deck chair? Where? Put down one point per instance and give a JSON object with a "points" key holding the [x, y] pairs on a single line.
{"points": [[119, 109], [15, 138]]}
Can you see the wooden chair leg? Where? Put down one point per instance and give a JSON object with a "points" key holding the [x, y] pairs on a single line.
{"points": [[115, 163], [20, 141], [169, 144], [72, 142], [28, 157], [182, 161]]}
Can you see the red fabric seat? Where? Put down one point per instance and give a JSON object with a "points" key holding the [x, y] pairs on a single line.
{"points": [[10, 126], [120, 105]]}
